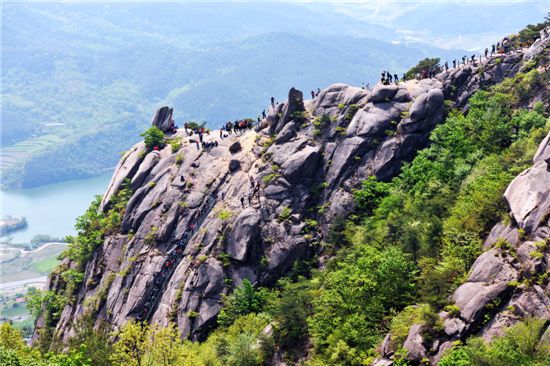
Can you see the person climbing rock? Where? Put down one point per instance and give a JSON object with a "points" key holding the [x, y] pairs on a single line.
{"points": [[242, 201], [252, 182], [312, 94], [318, 92], [272, 101], [263, 113], [182, 178]]}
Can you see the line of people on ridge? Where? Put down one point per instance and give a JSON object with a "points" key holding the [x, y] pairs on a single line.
{"points": [[503, 47]]}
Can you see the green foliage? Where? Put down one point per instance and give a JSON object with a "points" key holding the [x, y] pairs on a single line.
{"points": [[518, 346], [531, 31], [353, 298], [370, 195], [290, 311], [153, 137], [267, 179], [244, 300], [285, 213], [423, 65], [224, 215], [418, 314], [175, 144], [179, 159], [193, 125]]}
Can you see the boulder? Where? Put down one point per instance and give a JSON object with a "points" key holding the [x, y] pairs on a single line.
{"points": [[443, 348], [301, 165], [382, 93], [294, 104], [454, 326], [501, 232], [528, 196], [245, 235], [543, 152], [126, 168], [163, 118], [235, 147], [374, 120], [382, 362], [234, 165], [386, 348], [426, 104], [414, 344], [486, 267], [328, 100], [471, 298], [286, 133]]}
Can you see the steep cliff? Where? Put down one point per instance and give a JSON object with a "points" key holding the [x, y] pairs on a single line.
{"points": [[201, 220], [509, 281]]}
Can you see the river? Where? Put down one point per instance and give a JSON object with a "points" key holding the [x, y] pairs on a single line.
{"points": [[51, 209]]}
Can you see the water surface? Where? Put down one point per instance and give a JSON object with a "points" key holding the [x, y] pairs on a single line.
{"points": [[51, 209]]}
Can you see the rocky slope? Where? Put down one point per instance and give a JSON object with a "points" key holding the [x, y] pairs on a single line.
{"points": [[262, 199], [509, 281]]}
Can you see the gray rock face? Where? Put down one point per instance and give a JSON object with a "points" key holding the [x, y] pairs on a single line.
{"points": [[163, 118], [245, 235], [543, 152], [145, 168], [426, 104], [382, 93], [170, 269], [329, 99], [454, 326], [414, 344], [472, 297], [528, 195], [126, 168], [294, 105], [301, 165]]}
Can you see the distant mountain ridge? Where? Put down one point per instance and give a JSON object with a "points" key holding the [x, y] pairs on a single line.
{"points": [[97, 70]]}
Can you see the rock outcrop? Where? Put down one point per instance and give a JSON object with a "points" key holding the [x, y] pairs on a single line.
{"points": [[508, 282], [241, 210]]}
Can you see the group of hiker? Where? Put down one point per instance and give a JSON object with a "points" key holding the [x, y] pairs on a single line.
{"points": [[237, 126], [387, 78], [503, 47], [255, 191], [315, 94]]}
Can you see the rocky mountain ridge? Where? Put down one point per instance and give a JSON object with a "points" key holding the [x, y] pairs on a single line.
{"points": [[259, 201]]}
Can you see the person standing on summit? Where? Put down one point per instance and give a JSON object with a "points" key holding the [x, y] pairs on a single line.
{"points": [[272, 101]]}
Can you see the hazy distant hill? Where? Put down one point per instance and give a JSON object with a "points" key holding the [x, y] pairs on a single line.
{"points": [[81, 81]]}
